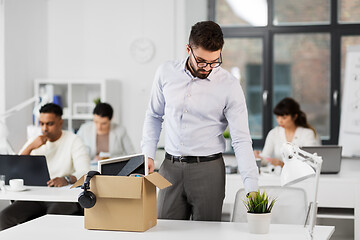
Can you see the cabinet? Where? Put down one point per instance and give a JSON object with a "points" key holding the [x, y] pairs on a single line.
{"points": [[77, 97]]}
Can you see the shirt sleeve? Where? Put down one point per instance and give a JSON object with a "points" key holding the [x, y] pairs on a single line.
{"points": [[153, 117], [25, 145], [237, 117], [80, 158], [81, 131], [309, 138]]}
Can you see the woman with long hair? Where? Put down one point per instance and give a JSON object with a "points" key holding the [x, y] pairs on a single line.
{"points": [[293, 127]]}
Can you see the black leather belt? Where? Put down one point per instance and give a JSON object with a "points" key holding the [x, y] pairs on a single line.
{"points": [[192, 159]]}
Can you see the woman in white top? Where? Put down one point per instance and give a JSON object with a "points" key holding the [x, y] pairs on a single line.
{"points": [[103, 136], [293, 127]]}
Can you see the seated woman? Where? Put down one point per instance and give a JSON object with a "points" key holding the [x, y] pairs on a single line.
{"points": [[293, 127], [103, 136]]}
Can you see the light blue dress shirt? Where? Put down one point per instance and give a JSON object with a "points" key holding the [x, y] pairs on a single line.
{"points": [[195, 113]]}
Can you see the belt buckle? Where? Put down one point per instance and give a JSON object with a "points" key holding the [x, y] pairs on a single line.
{"points": [[181, 158]]}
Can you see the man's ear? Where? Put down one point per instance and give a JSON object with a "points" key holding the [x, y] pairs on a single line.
{"points": [[188, 49]]}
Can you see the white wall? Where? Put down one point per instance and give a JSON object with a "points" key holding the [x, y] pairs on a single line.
{"points": [[2, 57], [25, 58], [92, 38]]}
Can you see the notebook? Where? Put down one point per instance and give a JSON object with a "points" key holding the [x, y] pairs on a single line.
{"points": [[331, 155], [33, 169]]}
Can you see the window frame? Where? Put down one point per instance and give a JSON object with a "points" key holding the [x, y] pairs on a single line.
{"points": [[267, 33]]}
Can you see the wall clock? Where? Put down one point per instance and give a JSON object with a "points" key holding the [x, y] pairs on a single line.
{"points": [[142, 50]]}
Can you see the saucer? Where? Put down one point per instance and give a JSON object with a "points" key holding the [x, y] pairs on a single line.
{"points": [[16, 190]]}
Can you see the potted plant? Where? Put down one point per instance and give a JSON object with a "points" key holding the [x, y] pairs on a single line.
{"points": [[259, 208], [227, 137]]}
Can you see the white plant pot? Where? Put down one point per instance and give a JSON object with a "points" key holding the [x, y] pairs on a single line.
{"points": [[259, 223], [228, 147]]}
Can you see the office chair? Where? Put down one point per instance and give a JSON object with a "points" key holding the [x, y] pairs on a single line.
{"points": [[290, 207]]}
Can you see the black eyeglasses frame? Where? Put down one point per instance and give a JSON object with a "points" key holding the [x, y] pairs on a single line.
{"points": [[204, 64]]}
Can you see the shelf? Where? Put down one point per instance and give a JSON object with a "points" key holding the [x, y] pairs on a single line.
{"points": [[335, 216], [336, 213], [77, 97], [83, 117], [79, 117]]}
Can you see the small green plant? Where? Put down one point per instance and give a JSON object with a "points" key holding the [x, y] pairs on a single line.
{"points": [[97, 101], [259, 203], [226, 134]]}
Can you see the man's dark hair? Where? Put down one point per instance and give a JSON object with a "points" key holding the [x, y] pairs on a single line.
{"points": [[52, 108], [207, 35], [103, 110]]}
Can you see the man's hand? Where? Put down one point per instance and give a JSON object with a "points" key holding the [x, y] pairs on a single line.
{"points": [[275, 161], [252, 194], [38, 142], [151, 165], [257, 154], [57, 182]]}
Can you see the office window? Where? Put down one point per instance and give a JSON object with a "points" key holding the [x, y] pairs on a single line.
{"points": [[304, 12], [282, 81], [241, 12], [349, 11], [303, 53], [309, 77], [345, 42], [244, 60]]}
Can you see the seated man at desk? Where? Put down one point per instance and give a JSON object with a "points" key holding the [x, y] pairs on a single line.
{"points": [[102, 135], [67, 161]]}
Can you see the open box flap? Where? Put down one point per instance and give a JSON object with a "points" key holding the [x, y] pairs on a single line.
{"points": [[158, 180], [114, 186], [79, 182]]}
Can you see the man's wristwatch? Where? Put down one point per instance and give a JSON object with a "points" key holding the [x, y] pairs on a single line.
{"points": [[68, 179]]}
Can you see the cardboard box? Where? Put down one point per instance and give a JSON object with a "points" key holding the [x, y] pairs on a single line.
{"points": [[123, 203]]}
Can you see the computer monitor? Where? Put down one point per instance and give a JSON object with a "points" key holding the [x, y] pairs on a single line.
{"points": [[331, 156], [124, 165], [33, 169]]}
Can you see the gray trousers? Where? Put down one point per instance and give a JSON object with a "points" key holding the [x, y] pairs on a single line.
{"points": [[23, 211], [197, 191]]}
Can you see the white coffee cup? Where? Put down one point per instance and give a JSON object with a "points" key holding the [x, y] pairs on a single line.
{"points": [[16, 184]]}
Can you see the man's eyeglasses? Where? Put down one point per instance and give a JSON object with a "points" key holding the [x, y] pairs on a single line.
{"points": [[204, 64]]}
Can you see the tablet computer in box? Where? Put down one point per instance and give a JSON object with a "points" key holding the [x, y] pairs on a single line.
{"points": [[124, 165]]}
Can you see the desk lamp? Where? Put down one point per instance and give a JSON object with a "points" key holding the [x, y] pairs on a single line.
{"points": [[6, 148], [298, 168]]}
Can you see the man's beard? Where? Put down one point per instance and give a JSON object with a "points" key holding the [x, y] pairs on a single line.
{"points": [[199, 73], [47, 135]]}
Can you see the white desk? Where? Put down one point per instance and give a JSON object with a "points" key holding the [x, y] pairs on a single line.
{"points": [[335, 190], [49, 194], [72, 227]]}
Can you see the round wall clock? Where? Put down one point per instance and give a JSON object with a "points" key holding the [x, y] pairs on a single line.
{"points": [[142, 50]]}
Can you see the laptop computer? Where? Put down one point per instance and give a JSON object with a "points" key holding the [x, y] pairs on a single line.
{"points": [[331, 155], [124, 166], [33, 169]]}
